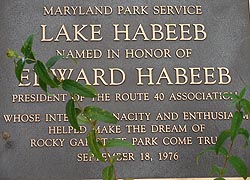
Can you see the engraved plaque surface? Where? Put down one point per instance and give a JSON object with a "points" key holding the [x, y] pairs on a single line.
{"points": [[160, 66]]}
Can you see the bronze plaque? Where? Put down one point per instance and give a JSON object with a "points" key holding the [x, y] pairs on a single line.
{"points": [[160, 66]]}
